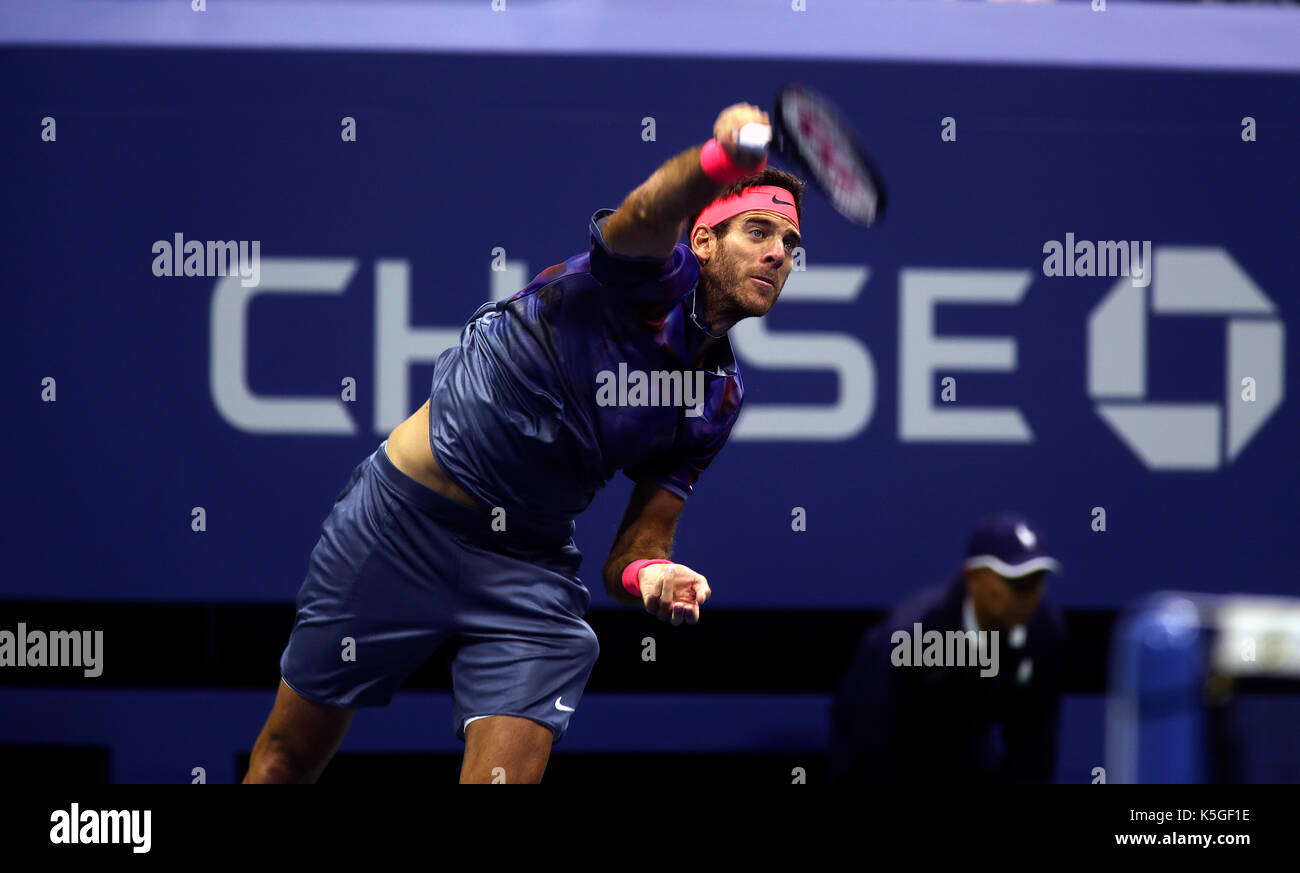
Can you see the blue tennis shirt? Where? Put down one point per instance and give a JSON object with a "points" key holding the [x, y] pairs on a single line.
{"points": [[588, 370]]}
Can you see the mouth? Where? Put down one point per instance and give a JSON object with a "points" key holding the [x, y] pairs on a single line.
{"points": [[768, 282]]}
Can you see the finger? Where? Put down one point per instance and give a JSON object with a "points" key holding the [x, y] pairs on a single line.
{"points": [[754, 117], [665, 604], [726, 118], [702, 591], [652, 588], [678, 611], [693, 613], [734, 117]]}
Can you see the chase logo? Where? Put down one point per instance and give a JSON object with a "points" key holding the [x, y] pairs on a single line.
{"points": [[1165, 436], [1186, 436]]}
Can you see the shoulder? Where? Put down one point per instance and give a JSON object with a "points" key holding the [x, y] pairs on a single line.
{"points": [[673, 276], [926, 607], [934, 607]]}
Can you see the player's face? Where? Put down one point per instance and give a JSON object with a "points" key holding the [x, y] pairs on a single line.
{"points": [[1005, 603], [753, 261]]}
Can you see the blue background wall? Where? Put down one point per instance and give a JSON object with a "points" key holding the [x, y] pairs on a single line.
{"points": [[458, 154]]}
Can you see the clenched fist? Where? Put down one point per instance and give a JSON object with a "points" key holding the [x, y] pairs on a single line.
{"points": [[673, 592], [729, 123]]}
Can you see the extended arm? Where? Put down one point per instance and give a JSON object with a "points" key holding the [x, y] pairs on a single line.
{"points": [[649, 221]]}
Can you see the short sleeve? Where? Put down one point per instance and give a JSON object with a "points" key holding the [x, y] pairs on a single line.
{"points": [[698, 442], [641, 280]]}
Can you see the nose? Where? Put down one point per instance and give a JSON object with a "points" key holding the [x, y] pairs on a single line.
{"points": [[776, 252]]}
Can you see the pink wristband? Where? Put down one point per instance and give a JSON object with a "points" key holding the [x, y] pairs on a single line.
{"points": [[633, 570], [719, 167]]}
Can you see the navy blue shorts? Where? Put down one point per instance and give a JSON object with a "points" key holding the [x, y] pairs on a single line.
{"points": [[401, 571]]}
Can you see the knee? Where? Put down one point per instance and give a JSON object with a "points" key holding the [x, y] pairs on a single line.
{"points": [[274, 762], [270, 768]]}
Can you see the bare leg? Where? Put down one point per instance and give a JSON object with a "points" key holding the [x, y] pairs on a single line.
{"points": [[298, 739], [520, 747]]}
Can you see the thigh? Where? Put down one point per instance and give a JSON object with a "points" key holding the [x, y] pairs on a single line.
{"points": [[378, 599], [522, 648], [505, 749]]}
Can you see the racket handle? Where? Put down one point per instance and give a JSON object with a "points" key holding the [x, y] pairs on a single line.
{"points": [[753, 138]]}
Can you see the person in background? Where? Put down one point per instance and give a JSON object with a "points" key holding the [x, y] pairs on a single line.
{"points": [[895, 720]]}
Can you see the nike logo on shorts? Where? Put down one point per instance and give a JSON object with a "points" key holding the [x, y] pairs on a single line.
{"points": [[560, 706]]}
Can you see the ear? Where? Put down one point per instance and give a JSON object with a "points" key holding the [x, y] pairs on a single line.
{"points": [[703, 243]]}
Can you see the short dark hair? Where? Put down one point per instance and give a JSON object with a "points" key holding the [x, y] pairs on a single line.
{"points": [[767, 176]]}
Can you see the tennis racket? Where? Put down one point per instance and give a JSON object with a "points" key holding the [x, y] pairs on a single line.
{"points": [[810, 133]]}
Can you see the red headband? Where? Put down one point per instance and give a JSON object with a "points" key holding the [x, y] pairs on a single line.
{"points": [[763, 198]]}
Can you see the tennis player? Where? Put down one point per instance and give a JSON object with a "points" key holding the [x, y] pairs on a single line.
{"points": [[457, 533]]}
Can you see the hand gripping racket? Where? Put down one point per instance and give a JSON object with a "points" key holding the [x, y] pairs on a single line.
{"points": [[811, 134]]}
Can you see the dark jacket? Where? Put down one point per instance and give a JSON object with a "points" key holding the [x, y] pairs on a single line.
{"points": [[947, 723]]}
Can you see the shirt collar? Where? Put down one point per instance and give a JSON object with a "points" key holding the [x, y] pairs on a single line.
{"points": [[968, 615]]}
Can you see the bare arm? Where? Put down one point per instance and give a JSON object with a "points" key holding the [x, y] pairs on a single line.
{"points": [[649, 221], [645, 532], [671, 592]]}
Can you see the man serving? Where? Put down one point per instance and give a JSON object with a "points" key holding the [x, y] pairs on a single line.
{"points": [[458, 531]]}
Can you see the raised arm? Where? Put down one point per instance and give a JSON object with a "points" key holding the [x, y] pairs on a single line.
{"points": [[649, 222]]}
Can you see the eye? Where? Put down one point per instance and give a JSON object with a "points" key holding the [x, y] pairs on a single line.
{"points": [[756, 230]]}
